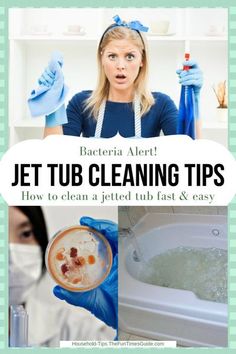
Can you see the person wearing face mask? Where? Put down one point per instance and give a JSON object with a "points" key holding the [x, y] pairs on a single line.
{"points": [[27, 246], [50, 320]]}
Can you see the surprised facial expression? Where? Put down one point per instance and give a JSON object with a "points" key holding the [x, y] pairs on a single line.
{"points": [[121, 61]]}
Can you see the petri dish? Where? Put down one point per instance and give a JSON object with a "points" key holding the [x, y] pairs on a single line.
{"points": [[78, 258]]}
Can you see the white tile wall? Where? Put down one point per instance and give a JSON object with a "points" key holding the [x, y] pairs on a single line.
{"points": [[129, 216], [222, 210], [123, 218], [195, 210], [160, 209], [136, 213]]}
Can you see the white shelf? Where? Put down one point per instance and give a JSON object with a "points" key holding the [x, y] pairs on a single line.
{"points": [[53, 38], [38, 122], [215, 125], [165, 38], [207, 38], [29, 38], [187, 38]]}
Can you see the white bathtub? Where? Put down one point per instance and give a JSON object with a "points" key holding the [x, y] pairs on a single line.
{"points": [[163, 313]]}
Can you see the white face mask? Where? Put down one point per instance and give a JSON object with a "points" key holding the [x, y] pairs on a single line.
{"points": [[25, 268]]}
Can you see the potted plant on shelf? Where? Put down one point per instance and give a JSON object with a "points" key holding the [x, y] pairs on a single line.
{"points": [[221, 95]]}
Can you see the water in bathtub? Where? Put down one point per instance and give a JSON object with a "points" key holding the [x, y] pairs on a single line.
{"points": [[200, 270]]}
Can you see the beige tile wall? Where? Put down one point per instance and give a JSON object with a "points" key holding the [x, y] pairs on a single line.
{"points": [[211, 210], [130, 215]]}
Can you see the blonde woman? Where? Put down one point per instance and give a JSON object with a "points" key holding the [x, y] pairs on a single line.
{"points": [[121, 102]]}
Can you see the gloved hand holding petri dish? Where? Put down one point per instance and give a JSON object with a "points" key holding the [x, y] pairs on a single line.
{"points": [[79, 258]]}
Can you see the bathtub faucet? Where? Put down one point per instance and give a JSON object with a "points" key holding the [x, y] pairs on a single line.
{"points": [[125, 232], [128, 233]]}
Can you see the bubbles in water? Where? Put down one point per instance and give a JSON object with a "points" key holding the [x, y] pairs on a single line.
{"points": [[200, 270]]}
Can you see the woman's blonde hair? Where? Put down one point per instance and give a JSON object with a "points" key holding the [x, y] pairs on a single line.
{"points": [[102, 89]]}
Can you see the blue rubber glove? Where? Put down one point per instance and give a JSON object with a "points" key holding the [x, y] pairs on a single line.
{"points": [[48, 99], [53, 71], [102, 301], [56, 118], [194, 78]]}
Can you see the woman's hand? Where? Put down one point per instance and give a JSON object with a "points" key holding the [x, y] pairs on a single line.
{"points": [[48, 99], [193, 76], [53, 76]]}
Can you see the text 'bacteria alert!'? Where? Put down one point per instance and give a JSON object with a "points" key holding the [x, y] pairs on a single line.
{"points": [[170, 164]]}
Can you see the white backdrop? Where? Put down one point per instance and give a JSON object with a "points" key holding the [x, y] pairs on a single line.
{"points": [[58, 217]]}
